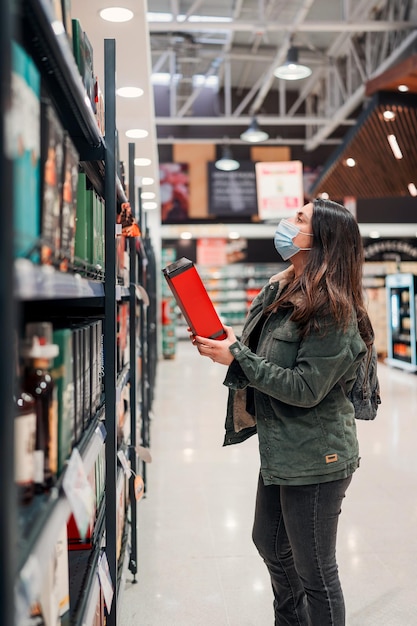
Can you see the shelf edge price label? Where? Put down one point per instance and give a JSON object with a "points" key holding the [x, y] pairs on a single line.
{"points": [[105, 581], [79, 492]]}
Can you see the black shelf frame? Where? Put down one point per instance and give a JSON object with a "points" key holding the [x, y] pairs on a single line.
{"points": [[110, 330], [133, 557], [8, 510]]}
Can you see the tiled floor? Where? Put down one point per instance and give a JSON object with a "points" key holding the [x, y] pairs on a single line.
{"points": [[197, 564]]}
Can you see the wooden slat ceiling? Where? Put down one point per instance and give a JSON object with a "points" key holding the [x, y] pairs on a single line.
{"points": [[377, 172]]}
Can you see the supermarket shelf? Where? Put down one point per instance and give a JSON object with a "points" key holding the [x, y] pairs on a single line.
{"points": [[39, 544], [88, 591], [52, 53], [43, 282]]}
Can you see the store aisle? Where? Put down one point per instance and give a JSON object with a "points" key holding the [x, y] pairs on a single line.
{"points": [[197, 565]]}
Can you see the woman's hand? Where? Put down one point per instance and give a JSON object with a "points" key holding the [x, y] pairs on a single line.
{"points": [[218, 351]]}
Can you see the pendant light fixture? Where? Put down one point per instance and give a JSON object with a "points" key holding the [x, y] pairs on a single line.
{"points": [[227, 163], [253, 134], [292, 69]]}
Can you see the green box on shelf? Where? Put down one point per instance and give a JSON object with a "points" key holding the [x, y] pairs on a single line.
{"points": [[63, 375], [84, 221]]}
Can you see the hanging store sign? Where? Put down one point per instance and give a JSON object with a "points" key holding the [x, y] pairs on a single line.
{"points": [[232, 194], [390, 250], [280, 188]]}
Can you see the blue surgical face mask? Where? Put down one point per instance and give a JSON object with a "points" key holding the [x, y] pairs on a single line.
{"points": [[283, 240]]}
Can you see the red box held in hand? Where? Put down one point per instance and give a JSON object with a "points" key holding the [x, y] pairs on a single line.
{"points": [[193, 299]]}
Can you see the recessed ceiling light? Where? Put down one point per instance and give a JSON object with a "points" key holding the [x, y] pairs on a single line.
{"points": [[129, 92], [388, 116], [186, 235], [147, 195], [116, 14], [403, 88], [142, 162], [350, 162], [147, 180], [149, 205], [234, 235], [374, 234], [324, 195], [137, 133]]}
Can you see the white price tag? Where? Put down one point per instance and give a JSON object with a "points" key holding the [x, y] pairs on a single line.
{"points": [[125, 463], [79, 492], [105, 581]]}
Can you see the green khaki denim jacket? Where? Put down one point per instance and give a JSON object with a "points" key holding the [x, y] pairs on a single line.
{"points": [[305, 423]]}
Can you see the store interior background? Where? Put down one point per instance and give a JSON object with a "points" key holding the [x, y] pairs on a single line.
{"points": [[206, 71]]}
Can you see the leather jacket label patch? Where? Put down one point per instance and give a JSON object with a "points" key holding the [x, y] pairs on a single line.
{"points": [[331, 458]]}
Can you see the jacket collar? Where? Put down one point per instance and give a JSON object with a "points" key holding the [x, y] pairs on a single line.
{"points": [[284, 278]]}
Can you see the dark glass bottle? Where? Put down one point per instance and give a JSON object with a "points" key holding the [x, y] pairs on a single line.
{"points": [[38, 352], [24, 445]]}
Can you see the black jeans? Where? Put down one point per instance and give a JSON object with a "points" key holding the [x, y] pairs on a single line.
{"points": [[295, 532]]}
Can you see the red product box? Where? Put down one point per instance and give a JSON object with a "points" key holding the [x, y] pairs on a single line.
{"points": [[193, 299]]}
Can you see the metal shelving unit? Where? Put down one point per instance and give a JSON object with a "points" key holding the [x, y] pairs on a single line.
{"points": [[36, 290]]}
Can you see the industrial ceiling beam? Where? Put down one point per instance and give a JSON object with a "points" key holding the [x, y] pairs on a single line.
{"points": [[369, 26]]}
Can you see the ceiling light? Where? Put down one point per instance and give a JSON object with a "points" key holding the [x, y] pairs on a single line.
{"points": [[234, 235], [389, 116], [403, 88], [116, 14], [149, 205], [227, 163], [350, 162], [292, 69], [137, 133], [253, 134], [147, 195], [129, 92], [412, 189], [392, 140], [374, 234], [142, 162], [146, 180], [186, 235], [324, 195]]}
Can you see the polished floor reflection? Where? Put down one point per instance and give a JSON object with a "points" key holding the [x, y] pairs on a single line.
{"points": [[197, 565]]}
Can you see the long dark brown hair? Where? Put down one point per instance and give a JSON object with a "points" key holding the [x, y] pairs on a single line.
{"points": [[331, 282]]}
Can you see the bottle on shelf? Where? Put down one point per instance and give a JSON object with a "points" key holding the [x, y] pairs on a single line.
{"points": [[38, 352], [24, 445]]}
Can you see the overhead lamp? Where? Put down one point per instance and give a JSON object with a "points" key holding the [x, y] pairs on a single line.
{"points": [[227, 163], [129, 92], [253, 134], [137, 133], [149, 205], [142, 162], [116, 14], [292, 69]]}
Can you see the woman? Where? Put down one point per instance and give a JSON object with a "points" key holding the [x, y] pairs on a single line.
{"points": [[302, 342]]}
